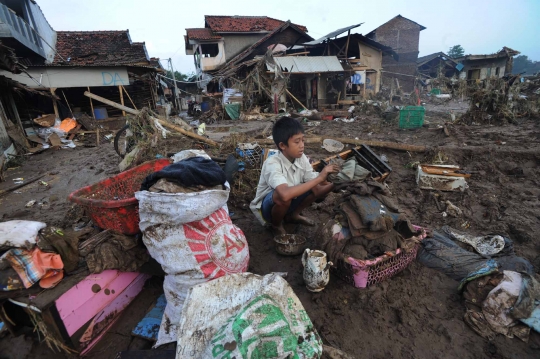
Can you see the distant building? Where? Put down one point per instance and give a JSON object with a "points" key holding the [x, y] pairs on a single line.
{"points": [[480, 67], [225, 38], [402, 35], [438, 63]]}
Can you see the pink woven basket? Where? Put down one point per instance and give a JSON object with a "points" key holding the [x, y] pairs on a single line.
{"points": [[363, 273]]}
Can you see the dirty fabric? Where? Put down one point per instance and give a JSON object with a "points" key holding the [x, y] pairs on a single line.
{"points": [[485, 245], [502, 303], [441, 253], [365, 228], [117, 252], [165, 186], [67, 245], [34, 265], [190, 172], [351, 171]]}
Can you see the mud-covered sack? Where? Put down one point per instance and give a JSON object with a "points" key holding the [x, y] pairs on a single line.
{"points": [[191, 235], [246, 316]]}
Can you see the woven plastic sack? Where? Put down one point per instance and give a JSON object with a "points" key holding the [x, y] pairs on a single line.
{"points": [[194, 240], [246, 316]]}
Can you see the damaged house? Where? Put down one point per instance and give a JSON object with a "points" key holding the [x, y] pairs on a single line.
{"points": [[436, 64], [402, 35], [225, 39], [310, 73], [106, 63], [480, 67], [25, 37]]}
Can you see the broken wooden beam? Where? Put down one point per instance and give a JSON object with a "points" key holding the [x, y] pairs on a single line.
{"points": [[186, 133], [297, 100], [185, 129]]}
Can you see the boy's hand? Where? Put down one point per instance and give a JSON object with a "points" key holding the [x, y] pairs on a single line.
{"points": [[329, 169]]}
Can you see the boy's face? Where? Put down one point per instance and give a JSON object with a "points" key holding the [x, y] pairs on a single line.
{"points": [[294, 148]]}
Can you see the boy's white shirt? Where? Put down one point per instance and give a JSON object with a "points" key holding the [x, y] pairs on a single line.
{"points": [[278, 170]]}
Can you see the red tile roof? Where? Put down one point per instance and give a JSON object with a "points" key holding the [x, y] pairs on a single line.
{"points": [[202, 34], [244, 23], [93, 48]]}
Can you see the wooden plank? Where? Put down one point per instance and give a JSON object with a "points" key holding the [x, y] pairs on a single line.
{"points": [[36, 139], [55, 105], [148, 327], [111, 103], [81, 303], [55, 140], [110, 314]]}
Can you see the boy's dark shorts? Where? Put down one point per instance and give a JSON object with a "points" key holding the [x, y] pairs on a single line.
{"points": [[268, 204]]}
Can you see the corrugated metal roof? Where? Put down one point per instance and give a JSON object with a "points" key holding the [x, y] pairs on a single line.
{"points": [[308, 64], [332, 34]]}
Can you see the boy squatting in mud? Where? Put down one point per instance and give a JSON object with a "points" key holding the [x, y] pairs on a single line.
{"points": [[288, 183]]}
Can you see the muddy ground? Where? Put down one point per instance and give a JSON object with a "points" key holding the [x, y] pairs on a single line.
{"points": [[416, 314]]}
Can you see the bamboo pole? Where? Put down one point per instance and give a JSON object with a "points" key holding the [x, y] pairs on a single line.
{"points": [[127, 93], [294, 98], [91, 104], [55, 105], [121, 99]]}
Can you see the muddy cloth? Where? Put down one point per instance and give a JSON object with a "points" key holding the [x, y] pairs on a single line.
{"points": [[363, 227], [190, 172], [117, 252], [66, 244], [501, 304], [373, 213], [165, 186], [34, 266], [441, 253], [351, 171]]}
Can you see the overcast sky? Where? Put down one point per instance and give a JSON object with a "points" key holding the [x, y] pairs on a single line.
{"points": [[480, 26]]}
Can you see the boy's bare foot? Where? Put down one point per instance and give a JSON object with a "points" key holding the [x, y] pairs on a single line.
{"points": [[279, 230], [300, 220]]}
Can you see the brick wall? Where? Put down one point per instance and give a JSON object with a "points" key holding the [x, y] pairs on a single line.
{"points": [[403, 36]]}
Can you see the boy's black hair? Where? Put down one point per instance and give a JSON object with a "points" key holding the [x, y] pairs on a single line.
{"points": [[285, 128]]}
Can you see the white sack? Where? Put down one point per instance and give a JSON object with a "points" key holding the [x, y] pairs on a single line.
{"points": [[246, 316]]}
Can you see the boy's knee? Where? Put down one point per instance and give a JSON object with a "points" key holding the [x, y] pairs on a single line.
{"points": [[279, 201]]}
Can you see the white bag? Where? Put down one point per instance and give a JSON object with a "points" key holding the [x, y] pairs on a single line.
{"points": [[19, 233], [246, 316], [194, 240]]}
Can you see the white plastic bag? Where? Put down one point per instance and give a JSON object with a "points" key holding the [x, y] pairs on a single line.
{"points": [[246, 316], [19, 233]]}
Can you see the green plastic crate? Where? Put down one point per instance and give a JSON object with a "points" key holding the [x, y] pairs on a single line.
{"points": [[436, 91], [411, 117]]}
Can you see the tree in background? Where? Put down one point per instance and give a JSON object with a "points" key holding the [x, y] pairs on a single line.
{"points": [[522, 64], [179, 76], [456, 51]]}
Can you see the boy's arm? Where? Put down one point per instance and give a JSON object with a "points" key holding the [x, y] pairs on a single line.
{"points": [[286, 193]]}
